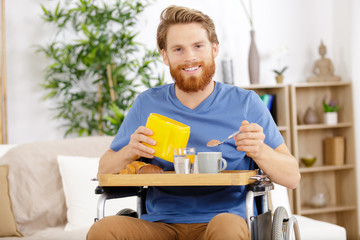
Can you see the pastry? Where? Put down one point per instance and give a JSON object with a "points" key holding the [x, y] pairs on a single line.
{"points": [[137, 167], [150, 169]]}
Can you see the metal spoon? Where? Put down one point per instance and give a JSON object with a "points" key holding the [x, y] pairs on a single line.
{"points": [[214, 142]]}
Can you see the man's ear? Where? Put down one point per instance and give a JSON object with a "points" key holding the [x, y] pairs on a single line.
{"points": [[165, 57], [215, 49]]}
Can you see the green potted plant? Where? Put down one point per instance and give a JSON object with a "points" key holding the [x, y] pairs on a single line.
{"points": [[279, 74], [95, 64], [331, 109], [278, 55]]}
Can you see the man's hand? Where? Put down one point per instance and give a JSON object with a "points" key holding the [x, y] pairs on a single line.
{"points": [[278, 163], [250, 139], [136, 148], [114, 162]]}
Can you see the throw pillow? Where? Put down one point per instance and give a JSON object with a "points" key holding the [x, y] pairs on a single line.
{"points": [[4, 148], [8, 226], [81, 200], [36, 191]]}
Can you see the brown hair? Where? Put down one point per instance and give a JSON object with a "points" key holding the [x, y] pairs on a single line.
{"points": [[176, 14]]}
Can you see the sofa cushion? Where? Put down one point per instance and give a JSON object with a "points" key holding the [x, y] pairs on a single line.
{"points": [[4, 148], [81, 201], [76, 174], [8, 226], [35, 184], [319, 230]]}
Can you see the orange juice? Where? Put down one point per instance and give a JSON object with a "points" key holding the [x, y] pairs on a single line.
{"points": [[191, 158], [188, 152]]}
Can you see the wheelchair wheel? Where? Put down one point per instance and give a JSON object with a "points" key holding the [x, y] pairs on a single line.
{"points": [[278, 228]]}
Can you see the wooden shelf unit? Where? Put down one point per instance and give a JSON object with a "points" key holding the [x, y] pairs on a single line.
{"points": [[338, 183]]}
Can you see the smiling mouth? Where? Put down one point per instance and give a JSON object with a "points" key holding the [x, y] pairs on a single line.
{"points": [[192, 69]]}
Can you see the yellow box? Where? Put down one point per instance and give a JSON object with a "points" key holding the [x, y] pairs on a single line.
{"points": [[168, 134]]}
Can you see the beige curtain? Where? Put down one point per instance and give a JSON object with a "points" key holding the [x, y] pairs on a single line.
{"points": [[3, 109]]}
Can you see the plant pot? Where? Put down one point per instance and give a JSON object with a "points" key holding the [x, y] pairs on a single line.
{"points": [[279, 79], [331, 118]]}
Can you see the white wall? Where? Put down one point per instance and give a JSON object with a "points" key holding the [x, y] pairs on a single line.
{"points": [[28, 116], [355, 74], [298, 24]]}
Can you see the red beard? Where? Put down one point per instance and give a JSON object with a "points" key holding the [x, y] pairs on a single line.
{"points": [[193, 83]]}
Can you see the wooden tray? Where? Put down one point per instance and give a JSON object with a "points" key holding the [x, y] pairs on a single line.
{"points": [[225, 178]]}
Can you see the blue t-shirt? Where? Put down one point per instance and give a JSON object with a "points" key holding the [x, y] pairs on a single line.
{"points": [[215, 118]]}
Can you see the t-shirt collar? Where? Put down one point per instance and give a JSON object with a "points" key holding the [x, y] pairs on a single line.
{"points": [[203, 105]]}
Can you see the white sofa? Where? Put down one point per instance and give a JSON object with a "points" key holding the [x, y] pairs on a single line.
{"points": [[309, 228], [48, 193]]}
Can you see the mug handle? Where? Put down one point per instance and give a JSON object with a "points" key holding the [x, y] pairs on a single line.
{"points": [[224, 164]]}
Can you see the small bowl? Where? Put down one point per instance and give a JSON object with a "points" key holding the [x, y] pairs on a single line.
{"points": [[308, 161]]}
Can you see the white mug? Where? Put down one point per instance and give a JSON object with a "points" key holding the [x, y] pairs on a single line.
{"points": [[210, 162]]}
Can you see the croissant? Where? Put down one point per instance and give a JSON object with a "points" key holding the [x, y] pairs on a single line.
{"points": [[133, 167], [137, 167]]}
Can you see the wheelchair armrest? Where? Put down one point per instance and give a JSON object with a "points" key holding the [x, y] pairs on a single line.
{"points": [[260, 186], [119, 192]]}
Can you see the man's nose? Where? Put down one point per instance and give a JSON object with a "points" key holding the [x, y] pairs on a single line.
{"points": [[190, 56]]}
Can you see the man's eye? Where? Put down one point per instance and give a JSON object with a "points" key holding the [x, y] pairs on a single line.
{"points": [[177, 49], [198, 46]]}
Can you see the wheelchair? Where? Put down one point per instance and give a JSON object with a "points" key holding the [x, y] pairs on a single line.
{"points": [[263, 226]]}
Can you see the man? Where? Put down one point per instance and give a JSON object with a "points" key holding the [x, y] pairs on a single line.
{"points": [[188, 44]]}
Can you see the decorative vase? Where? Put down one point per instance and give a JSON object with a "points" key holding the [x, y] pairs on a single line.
{"points": [[319, 200], [227, 71], [331, 118], [320, 194], [253, 60], [310, 116]]}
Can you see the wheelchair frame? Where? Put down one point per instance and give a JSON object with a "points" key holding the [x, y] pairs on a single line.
{"points": [[280, 227]]}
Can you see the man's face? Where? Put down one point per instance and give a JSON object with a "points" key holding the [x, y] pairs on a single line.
{"points": [[190, 56]]}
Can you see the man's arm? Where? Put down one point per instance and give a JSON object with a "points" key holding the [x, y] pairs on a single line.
{"points": [[278, 164], [114, 162]]}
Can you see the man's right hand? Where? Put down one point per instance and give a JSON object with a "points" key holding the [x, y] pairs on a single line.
{"points": [[136, 148], [114, 162]]}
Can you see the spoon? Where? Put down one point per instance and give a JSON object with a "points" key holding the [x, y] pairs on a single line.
{"points": [[214, 142]]}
